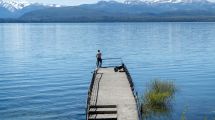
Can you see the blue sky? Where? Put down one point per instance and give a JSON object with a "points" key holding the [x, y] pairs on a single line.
{"points": [[70, 2]]}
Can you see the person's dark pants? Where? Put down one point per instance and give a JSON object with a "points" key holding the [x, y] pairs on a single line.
{"points": [[99, 62]]}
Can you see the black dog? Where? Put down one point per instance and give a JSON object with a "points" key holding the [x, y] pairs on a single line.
{"points": [[117, 68]]}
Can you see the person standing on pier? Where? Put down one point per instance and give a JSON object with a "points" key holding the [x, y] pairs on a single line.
{"points": [[99, 58]]}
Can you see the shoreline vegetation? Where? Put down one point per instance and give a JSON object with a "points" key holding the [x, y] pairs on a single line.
{"points": [[157, 99]]}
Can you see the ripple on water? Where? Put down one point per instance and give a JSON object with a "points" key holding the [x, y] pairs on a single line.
{"points": [[45, 69]]}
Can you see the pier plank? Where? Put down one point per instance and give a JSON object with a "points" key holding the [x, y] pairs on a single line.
{"points": [[113, 89]]}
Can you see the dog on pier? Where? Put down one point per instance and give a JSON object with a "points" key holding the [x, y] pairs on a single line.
{"points": [[119, 68]]}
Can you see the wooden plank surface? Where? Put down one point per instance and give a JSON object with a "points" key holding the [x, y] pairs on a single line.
{"points": [[113, 88]]}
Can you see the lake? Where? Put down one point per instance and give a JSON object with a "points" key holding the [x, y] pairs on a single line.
{"points": [[45, 69]]}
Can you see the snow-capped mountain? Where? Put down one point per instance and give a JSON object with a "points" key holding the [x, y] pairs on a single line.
{"points": [[13, 9], [136, 10], [133, 10], [134, 2], [18, 5], [13, 5]]}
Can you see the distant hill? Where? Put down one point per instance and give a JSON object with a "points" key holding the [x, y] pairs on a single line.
{"points": [[14, 9], [130, 10]]}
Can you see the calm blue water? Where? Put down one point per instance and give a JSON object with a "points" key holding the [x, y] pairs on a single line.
{"points": [[45, 69]]}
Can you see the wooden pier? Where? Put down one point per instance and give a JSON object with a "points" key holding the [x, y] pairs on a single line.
{"points": [[112, 96]]}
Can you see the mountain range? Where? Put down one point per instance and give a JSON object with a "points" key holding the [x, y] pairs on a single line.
{"points": [[14, 9], [109, 11]]}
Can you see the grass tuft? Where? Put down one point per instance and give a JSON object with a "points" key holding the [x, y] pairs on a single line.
{"points": [[158, 97]]}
